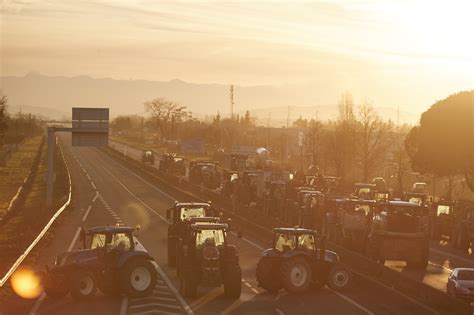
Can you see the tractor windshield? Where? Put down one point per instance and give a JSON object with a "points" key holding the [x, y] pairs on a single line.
{"points": [[306, 242], [121, 241], [285, 242], [443, 209], [214, 237], [98, 241], [195, 212], [416, 199]]}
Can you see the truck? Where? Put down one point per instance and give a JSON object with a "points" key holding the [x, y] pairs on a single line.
{"points": [[400, 231]]}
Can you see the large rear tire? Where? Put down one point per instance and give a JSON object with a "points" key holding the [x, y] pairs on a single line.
{"points": [[172, 252], [188, 284], [232, 281], [83, 285], [138, 278], [267, 275], [296, 274]]}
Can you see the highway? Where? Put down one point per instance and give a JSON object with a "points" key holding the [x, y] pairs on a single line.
{"points": [[105, 192], [442, 258]]}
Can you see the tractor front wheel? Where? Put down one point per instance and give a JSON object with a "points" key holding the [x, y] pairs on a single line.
{"points": [[83, 285]]}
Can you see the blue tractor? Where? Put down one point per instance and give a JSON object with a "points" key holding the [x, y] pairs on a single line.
{"points": [[110, 258], [299, 261]]}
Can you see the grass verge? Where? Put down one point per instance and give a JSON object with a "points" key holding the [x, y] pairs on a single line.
{"points": [[18, 233], [16, 169]]}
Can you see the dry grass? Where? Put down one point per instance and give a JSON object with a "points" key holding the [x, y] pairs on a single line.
{"points": [[20, 231], [16, 169]]}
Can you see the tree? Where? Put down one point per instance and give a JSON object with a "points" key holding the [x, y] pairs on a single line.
{"points": [[3, 117], [443, 142], [370, 139], [166, 115], [399, 157], [341, 135]]}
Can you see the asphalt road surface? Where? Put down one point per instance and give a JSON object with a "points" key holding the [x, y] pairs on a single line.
{"points": [[443, 258], [105, 192]]}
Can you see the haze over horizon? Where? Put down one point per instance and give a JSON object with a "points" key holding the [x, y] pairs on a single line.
{"points": [[395, 53]]}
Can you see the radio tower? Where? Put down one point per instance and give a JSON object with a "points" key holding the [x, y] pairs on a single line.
{"points": [[232, 102]]}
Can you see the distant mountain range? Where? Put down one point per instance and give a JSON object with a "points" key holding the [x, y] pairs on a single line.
{"points": [[53, 97]]}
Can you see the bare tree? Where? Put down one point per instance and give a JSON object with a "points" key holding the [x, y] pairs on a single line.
{"points": [[3, 117], [340, 137], [370, 139], [166, 115]]}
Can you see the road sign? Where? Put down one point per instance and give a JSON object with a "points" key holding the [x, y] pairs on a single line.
{"points": [[90, 126]]}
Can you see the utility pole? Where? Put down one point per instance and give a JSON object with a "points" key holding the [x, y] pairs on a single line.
{"points": [[232, 102], [268, 131]]}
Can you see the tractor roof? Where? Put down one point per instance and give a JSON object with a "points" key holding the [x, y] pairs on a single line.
{"points": [[192, 204], [209, 226], [294, 230], [110, 229], [364, 185], [400, 203]]}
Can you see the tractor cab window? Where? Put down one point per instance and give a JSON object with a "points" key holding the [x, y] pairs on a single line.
{"points": [[188, 213], [209, 237], [148, 153], [285, 242], [306, 242], [417, 200], [121, 241], [443, 209], [98, 241]]}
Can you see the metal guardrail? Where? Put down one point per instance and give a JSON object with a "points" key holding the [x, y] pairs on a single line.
{"points": [[22, 257]]}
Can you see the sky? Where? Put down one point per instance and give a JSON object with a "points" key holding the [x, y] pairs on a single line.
{"points": [[392, 52]]}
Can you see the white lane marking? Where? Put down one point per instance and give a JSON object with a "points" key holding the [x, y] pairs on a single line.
{"points": [[171, 287], [74, 239], [123, 306], [96, 196], [143, 180], [342, 296], [89, 177], [279, 311], [249, 241], [93, 185], [135, 196], [87, 213], [37, 304], [398, 292], [155, 304]]}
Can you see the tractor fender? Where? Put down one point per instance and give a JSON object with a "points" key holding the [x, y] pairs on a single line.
{"points": [[270, 253], [294, 253], [330, 256], [132, 255]]}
